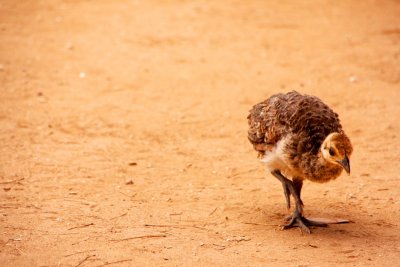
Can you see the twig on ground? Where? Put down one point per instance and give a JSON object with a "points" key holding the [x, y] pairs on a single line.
{"points": [[119, 216], [114, 262], [82, 201], [176, 226], [261, 224], [211, 213], [81, 226], [25, 229], [79, 252], [12, 181], [34, 206], [86, 239], [73, 233], [138, 237], [176, 214], [9, 207], [130, 196], [219, 247], [85, 259]]}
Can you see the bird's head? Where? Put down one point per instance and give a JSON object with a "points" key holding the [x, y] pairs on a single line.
{"points": [[337, 149]]}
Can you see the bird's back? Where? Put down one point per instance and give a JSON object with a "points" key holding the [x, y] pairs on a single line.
{"points": [[305, 117]]}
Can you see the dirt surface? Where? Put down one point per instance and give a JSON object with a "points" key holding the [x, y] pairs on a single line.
{"points": [[124, 133]]}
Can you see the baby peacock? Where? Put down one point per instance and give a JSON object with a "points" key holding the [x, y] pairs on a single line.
{"points": [[299, 138]]}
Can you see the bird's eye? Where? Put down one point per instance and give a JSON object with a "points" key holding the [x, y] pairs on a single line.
{"points": [[331, 152]]}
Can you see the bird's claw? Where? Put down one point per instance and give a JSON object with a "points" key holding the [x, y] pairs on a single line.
{"points": [[298, 220]]}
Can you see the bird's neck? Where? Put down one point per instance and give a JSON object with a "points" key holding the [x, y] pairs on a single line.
{"points": [[324, 170]]}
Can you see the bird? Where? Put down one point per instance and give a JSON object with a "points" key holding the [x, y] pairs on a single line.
{"points": [[299, 138]]}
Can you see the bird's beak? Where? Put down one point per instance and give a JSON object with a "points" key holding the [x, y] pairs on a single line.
{"points": [[345, 164]]}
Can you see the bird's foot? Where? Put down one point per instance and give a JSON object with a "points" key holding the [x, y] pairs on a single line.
{"points": [[297, 220]]}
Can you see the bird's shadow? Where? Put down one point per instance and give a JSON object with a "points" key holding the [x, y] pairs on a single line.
{"points": [[272, 217]]}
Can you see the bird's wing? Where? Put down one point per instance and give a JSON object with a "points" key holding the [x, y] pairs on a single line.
{"points": [[306, 117], [267, 123]]}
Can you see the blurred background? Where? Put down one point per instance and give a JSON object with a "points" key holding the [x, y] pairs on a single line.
{"points": [[124, 135]]}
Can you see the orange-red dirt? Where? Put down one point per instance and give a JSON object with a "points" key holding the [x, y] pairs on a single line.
{"points": [[124, 133]]}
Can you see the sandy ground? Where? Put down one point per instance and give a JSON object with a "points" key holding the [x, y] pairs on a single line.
{"points": [[124, 133]]}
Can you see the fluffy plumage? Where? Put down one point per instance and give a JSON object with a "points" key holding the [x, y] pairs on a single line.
{"points": [[290, 128], [299, 137]]}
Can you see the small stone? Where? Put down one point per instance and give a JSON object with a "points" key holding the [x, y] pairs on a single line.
{"points": [[82, 75], [129, 181], [352, 79], [239, 238], [18, 238], [243, 238]]}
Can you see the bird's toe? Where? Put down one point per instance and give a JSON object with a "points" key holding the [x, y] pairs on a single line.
{"points": [[298, 220]]}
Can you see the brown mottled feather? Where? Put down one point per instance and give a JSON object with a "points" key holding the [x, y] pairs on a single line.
{"points": [[303, 119], [292, 113]]}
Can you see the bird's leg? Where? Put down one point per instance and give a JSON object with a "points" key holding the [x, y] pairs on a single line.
{"points": [[285, 186], [297, 218], [298, 184], [286, 191]]}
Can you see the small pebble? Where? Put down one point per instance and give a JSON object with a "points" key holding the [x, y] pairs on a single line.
{"points": [[352, 79], [129, 181]]}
